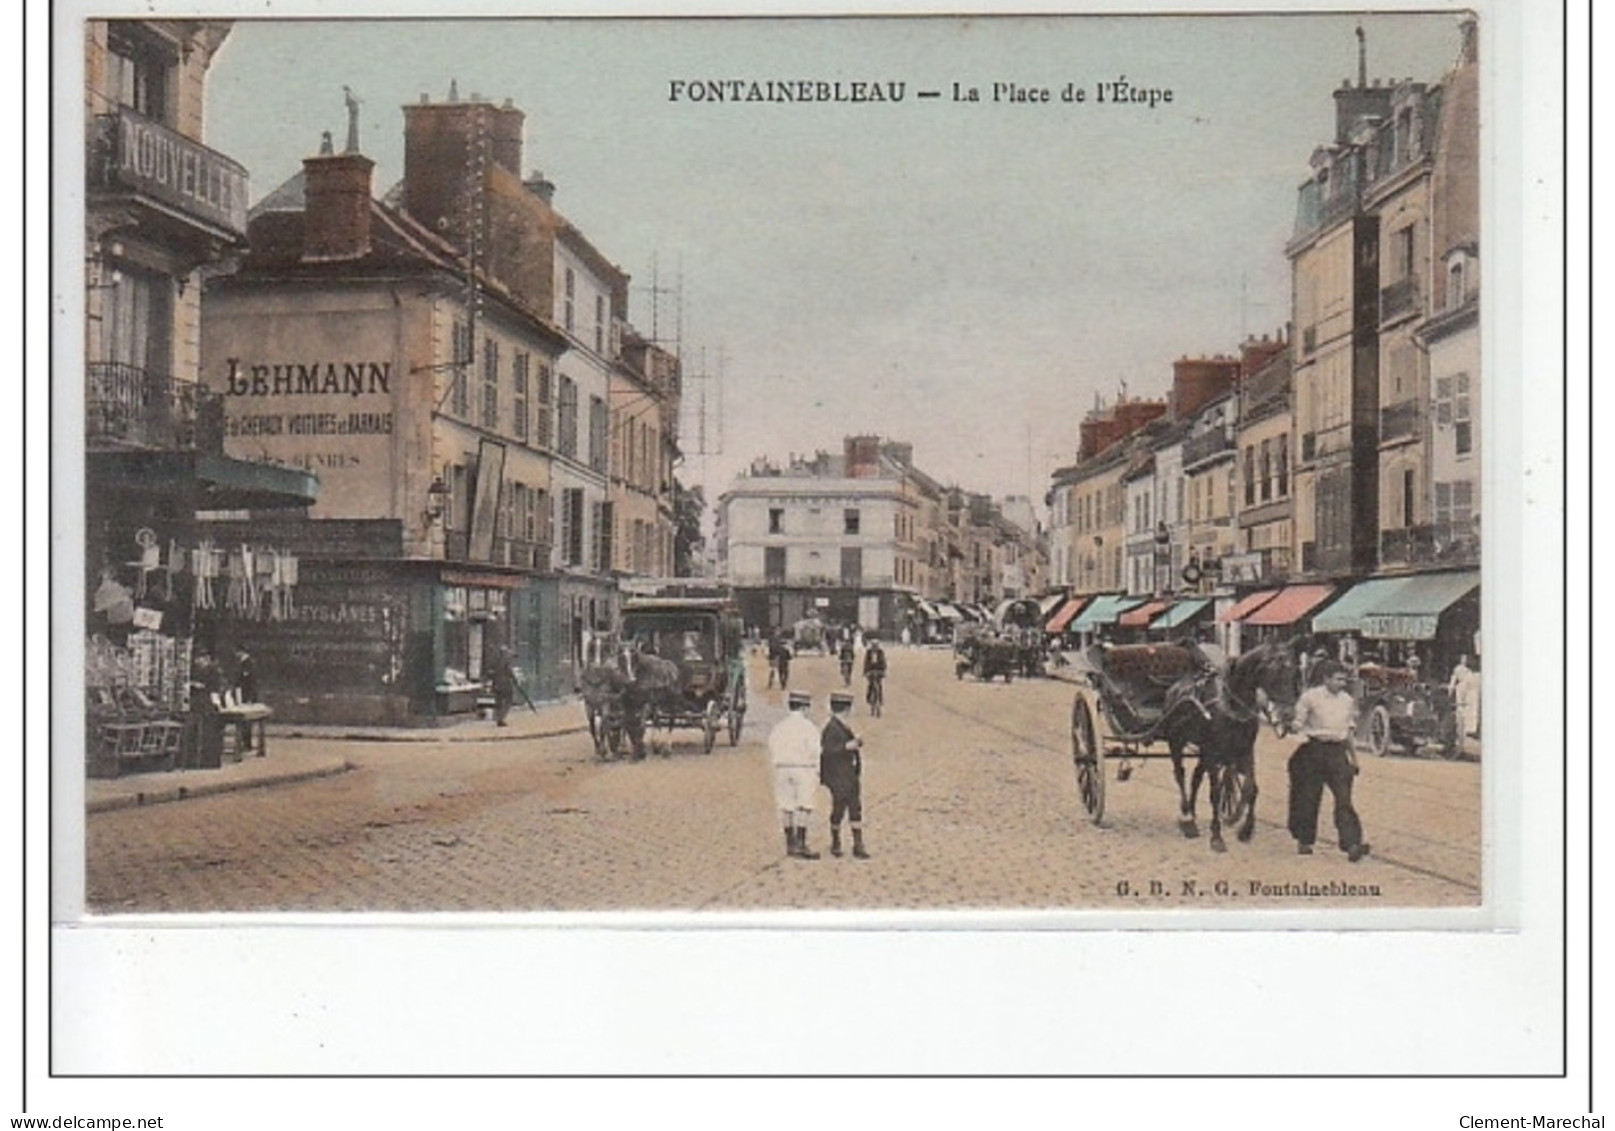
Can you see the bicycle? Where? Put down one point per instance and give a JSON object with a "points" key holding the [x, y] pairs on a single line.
{"points": [[876, 695]]}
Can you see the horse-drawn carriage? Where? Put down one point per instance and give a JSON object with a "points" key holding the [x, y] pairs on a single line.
{"points": [[984, 653], [678, 662], [1020, 622], [1178, 695]]}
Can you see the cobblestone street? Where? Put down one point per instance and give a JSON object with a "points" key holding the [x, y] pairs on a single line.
{"points": [[970, 802]]}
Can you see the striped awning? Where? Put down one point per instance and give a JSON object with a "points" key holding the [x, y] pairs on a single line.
{"points": [[1064, 616]]}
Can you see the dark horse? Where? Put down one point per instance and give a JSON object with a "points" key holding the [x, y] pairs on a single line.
{"points": [[1219, 713]]}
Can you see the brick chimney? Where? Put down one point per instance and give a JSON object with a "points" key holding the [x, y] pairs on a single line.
{"points": [[1198, 381], [862, 456], [336, 206]]}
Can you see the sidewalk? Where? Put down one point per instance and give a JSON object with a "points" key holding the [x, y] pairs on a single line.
{"points": [[300, 761]]}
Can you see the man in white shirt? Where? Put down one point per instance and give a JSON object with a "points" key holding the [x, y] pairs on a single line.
{"points": [[793, 752], [1325, 716]]}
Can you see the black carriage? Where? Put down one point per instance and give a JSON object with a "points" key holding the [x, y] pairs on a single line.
{"points": [[1399, 713], [702, 641]]}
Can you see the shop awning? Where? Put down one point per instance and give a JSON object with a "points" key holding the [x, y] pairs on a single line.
{"points": [[1292, 603], [219, 482], [1346, 614], [1141, 616], [1182, 613], [1411, 612], [948, 612], [927, 610], [1248, 604], [1104, 610], [1066, 614], [1048, 604]]}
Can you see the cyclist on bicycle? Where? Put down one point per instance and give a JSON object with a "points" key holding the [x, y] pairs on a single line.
{"points": [[846, 654], [874, 672]]}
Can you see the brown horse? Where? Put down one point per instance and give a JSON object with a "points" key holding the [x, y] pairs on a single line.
{"points": [[1228, 708], [654, 688]]}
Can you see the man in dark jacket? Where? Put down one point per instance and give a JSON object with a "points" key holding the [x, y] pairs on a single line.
{"points": [[840, 769], [502, 682]]}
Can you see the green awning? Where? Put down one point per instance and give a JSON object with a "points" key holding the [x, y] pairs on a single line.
{"points": [[214, 482], [1397, 608], [235, 484], [1104, 610], [1181, 613], [1412, 611], [1347, 613]]}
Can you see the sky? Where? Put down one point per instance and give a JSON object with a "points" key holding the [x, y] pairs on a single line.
{"points": [[965, 276]]}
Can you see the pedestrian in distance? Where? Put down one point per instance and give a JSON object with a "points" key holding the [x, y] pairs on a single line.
{"points": [[502, 682], [847, 656], [793, 755], [874, 675], [1325, 716], [782, 661], [246, 689], [1464, 687], [841, 771]]}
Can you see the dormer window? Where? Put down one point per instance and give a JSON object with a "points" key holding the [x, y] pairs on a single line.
{"points": [[1457, 289]]}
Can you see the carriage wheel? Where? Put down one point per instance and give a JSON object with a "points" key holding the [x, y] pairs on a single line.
{"points": [[1087, 759], [1229, 790], [709, 727], [1379, 731]]}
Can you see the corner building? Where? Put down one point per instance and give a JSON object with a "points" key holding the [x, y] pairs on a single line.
{"points": [[443, 357]]}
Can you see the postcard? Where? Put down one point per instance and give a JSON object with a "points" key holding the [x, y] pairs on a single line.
{"points": [[646, 486]]}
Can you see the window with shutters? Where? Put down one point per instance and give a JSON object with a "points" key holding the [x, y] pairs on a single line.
{"points": [[490, 384], [566, 410], [518, 395], [599, 433]]}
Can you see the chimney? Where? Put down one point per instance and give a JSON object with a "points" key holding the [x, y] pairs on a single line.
{"points": [[507, 137], [336, 206], [541, 186], [862, 456], [1198, 381]]}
